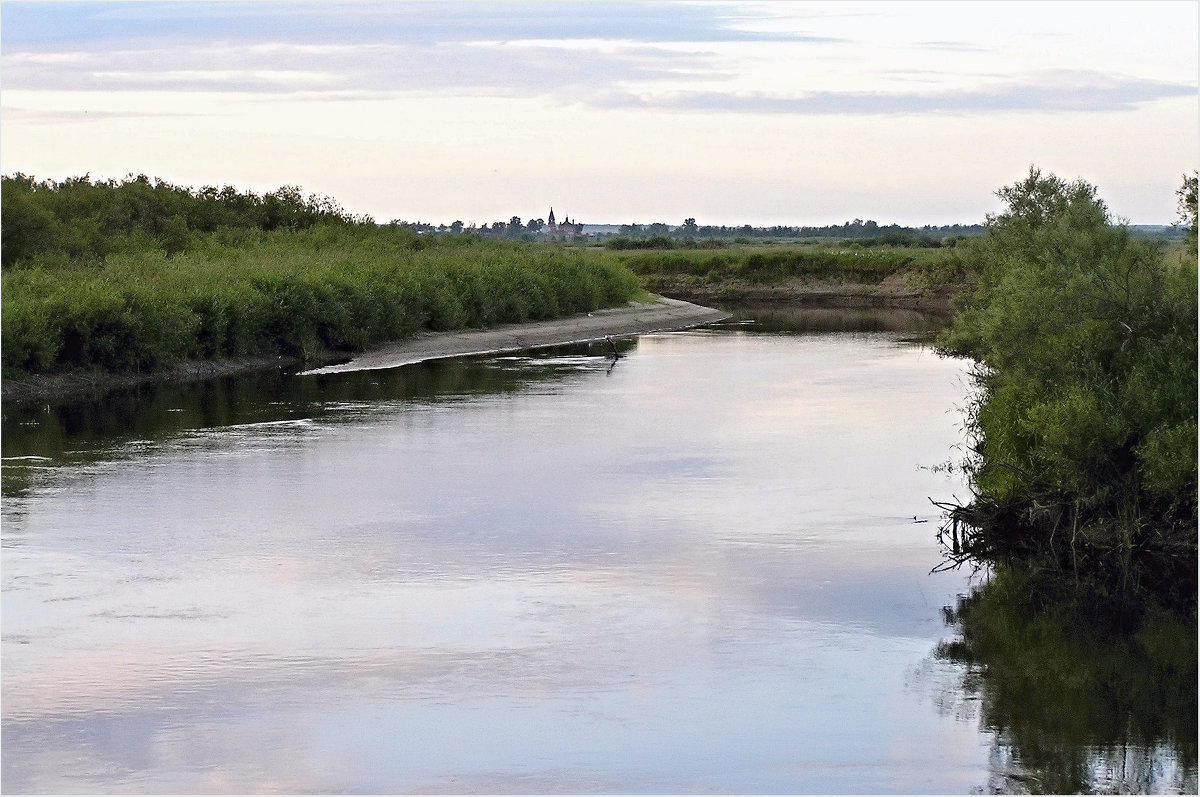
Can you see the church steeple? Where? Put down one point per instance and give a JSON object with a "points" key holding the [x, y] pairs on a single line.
{"points": [[550, 219]]}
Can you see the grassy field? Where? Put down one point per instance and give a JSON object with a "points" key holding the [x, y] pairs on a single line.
{"points": [[240, 292], [248, 292]]}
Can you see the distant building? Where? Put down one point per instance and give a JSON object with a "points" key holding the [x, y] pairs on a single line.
{"points": [[565, 228]]}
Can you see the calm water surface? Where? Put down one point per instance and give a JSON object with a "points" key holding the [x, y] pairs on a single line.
{"points": [[704, 567]]}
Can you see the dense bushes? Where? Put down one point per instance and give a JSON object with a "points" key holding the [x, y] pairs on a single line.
{"points": [[248, 292], [1085, 429], [622, 242], [655, 242]]}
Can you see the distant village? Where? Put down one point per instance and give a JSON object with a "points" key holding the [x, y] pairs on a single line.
{"points": [[569, 229], [549, 228]]}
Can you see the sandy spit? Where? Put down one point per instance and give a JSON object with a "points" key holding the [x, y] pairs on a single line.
{"points": [[635, 318]]}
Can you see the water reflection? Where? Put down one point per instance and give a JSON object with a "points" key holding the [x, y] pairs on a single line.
{"points": [[698, 569], [1073, 707]]}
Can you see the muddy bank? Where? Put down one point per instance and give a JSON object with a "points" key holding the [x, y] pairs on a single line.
{"points": [[635, 318], [632, 319]]}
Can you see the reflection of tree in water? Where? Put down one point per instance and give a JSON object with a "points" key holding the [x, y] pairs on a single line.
{"points": [[1124, 769], [1077, 701]]}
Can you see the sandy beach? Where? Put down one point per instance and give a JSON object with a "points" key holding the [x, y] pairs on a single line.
{"points": [[635, 318]]}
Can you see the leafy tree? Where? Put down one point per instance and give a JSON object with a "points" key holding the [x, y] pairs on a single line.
{"points": [[26, 226]]}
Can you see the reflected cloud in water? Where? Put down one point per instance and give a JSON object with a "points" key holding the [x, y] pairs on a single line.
{"points": [[698, 572]]}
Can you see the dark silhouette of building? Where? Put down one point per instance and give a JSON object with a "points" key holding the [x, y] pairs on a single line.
{"points": [[565, 228]]}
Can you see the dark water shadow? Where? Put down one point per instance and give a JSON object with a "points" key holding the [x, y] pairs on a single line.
{"points": [[39, 434], [1074, 702]]}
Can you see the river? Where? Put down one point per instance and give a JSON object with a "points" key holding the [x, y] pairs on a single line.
{"points": [[702, 567]]}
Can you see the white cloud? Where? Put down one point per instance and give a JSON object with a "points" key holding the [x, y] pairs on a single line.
{"points": [[281, 67], [1045, 93]]}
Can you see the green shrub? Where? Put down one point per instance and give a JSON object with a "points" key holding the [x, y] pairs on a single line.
{"points": [[1086, 417]]}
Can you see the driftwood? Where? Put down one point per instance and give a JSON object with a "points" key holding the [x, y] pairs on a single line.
{"points": [[616, 354], [1107, 555]]}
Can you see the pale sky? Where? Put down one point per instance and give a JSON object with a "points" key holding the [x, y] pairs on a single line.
{"points": [[613, 112]]}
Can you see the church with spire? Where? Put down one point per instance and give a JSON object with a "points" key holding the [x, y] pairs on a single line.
{"points": [[565, 228]]}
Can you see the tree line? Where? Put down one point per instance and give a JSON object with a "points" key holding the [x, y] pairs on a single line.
{"points": [[81, 219], [665, 236], [890, 234], [514, 229]]}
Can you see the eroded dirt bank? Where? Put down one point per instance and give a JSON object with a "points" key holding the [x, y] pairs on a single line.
{"points": [[894, 291]]}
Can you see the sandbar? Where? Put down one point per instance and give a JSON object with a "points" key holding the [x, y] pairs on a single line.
{"points": [[636, 318]]}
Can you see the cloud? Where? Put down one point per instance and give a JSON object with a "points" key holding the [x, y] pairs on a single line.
{"points": [[41, 116], [962, 47], [1051, 92], [38, 25], [290, 68]]}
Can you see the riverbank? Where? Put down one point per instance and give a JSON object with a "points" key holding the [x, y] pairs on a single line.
{"points": [[807, 275], [635, 318]]}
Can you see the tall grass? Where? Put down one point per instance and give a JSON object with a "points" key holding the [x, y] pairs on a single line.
{"points": [[248, 292]]}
